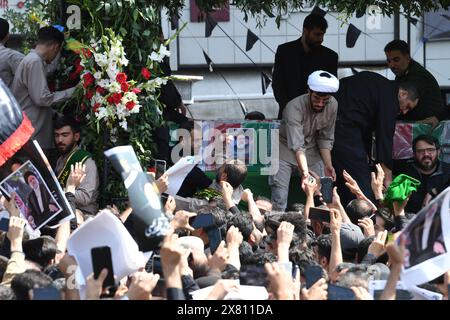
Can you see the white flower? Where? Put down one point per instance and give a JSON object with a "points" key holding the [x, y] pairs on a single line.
{"points": [[163, 51], [159, 56], [124, 125], [112, 71], [104, 83], [98, 75], [124, 61], [114, 87], [101, 113], [101, 59]]}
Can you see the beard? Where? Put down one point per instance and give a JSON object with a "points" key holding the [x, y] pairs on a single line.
{"points": [[428, 166], [65, 149]]}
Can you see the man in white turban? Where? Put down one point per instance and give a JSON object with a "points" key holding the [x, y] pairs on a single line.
{"points": [[306, 136]]}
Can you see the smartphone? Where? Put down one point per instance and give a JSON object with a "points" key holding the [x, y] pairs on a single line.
{"points": [[326, 188], [319, 214], [390, 237], [4, 224], [164, 198], [205, 220], [160, 167], [47, 293], [101, 259], [312, 275], [340, 293], [156, 264], [253, 275], [295, 270], [215, 238]]}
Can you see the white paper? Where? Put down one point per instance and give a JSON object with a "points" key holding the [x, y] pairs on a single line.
{"points": [[429, 262], [244, 293], [105, 230], [178, 172], [417, 293]]}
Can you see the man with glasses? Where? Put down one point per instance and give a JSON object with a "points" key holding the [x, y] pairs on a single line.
{"points": [[306, 136], [433, 174]]}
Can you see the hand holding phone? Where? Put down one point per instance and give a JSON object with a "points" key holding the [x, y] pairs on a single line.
{"points": [[4, 224], [318, 214], [253, 275], [160, 168], [156, 265], [326, 188], [101, 259]]}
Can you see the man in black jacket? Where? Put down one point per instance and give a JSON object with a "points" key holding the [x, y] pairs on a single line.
{"points": [[296, 60]]}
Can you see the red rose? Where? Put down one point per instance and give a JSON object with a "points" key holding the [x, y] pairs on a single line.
{"points": [[88, 79], [78, 69], [136, 90], [77, 62], [146, 73], [121, 77], [74, 76], [86, 53], [100, 90], [89, 94], [130, 105], [95, 107], [124, 86], [115, 98]]}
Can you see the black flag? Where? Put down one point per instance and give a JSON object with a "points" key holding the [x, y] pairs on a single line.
{"points": [[352, 35], [265, 82], [319, 11], [208, 61], [251, 40], [174, 22], [210, 24]]}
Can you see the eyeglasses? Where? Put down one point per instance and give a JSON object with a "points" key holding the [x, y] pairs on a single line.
{"points": [[427, 150]]}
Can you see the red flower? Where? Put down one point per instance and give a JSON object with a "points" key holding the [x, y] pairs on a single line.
{"points": [[78, 69], [77, 62], [146, 73], [83, 107], [100, 90], [130, 105], [124, 86], [136, 90], [88, 79], [121, 77], [74, 76], [95, 107], [114, 98], [86, 53], [89, 94]]}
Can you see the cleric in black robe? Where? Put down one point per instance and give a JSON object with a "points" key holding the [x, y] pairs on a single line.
{"points": [[368, 104]]}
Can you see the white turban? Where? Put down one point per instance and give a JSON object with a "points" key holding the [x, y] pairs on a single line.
{"points": [[323, 81]]}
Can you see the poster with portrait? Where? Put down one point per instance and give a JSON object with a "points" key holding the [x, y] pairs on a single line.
{"points": [[33, 197], [427, 253]]}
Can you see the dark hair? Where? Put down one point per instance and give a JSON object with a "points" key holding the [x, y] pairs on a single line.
{"points": [[299, 222], [244, 223], [428, 139], [187, 125], [411, 88], [262, 257], [355, 276], [297, 207], [303, 257], [4, 29], [386, 215], [30, 279], [236, 172], [315, 20], [27, 174], [399, 45], [246, 253], [363, 247], [3, 264], [323, 243], [358, 209], [50, 35], [66, 120], [40, 250], [6, 293], [255, 115]]}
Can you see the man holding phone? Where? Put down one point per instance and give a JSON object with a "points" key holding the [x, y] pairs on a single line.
{"points": [[306, 136]]}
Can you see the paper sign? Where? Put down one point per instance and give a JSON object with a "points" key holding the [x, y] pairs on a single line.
{"points": [[178, 172], [427, 242]]}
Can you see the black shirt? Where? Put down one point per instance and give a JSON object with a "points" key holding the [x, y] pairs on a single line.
{"points": [[292, 67]]}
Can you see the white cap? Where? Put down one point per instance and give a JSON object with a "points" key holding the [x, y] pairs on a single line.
{"points": [[323, 81]]}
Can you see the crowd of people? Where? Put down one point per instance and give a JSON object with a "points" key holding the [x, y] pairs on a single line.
{"points": [[322, 248]]}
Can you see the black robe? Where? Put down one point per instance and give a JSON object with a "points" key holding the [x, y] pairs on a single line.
{"points": [[367, 106]]}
